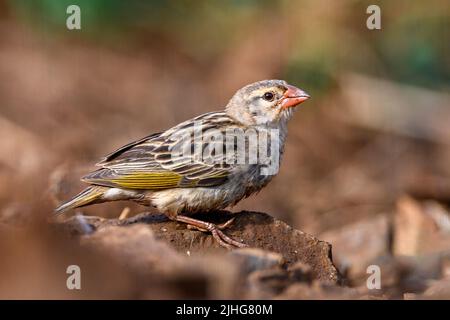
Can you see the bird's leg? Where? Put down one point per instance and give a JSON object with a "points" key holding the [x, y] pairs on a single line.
{"points": [[215, 230], [221, 226]]}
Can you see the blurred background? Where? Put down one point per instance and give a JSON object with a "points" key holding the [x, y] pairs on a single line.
{"points": [[369, 148]]}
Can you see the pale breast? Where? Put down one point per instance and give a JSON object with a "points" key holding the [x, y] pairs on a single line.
{"points": [[195, 200]]}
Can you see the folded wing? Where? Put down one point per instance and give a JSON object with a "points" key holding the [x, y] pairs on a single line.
{"points": [[151, 164]]}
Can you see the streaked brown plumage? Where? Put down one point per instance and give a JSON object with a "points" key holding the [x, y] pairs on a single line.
{"points": [[146, 171]]}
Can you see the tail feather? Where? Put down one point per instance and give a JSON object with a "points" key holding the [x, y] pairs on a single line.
{"points": [[86, 197]]}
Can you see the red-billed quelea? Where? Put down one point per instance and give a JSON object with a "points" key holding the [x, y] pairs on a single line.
{"points": [[148, 172]]}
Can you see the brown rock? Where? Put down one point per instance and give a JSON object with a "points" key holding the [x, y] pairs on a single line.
{"points": [[445, 267], [320, 291], [264, 284], [162, 271], [411, 226], [438, 290], [137, 247], [409, 296], [253, 259], [35, 266], [420, 228], [257, 230], [404, 274], [300, 272], [355, 246]]}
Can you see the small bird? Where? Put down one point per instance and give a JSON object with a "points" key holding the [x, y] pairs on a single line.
{"points": [[153, 171]]}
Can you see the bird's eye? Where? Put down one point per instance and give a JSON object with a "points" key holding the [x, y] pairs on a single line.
{"points": [[268, 96]]}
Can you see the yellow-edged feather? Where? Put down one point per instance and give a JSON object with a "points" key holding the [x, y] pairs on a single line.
{"points": [[149, 180]]}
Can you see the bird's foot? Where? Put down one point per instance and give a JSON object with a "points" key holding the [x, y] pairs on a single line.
{"points": [[221, 226], [216, 231]]}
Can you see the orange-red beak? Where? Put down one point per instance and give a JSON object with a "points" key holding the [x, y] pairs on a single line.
{"points": [[293, 97]]}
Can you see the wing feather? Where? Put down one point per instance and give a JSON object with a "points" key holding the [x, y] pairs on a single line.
{"points": [[127, 147], [148, 163]]}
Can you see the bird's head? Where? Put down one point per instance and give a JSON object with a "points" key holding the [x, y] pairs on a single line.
{"points": [[265, 102]]}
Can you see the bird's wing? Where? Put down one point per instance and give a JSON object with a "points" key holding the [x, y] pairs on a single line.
{"points": [[150, 163], [119, 152]]}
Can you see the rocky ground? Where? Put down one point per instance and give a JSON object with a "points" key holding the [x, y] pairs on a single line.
{"points": [[280, 262], [278, 256], [146, 256]]}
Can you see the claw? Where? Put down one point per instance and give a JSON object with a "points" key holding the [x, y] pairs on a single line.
{"points": [[225, 225], [215, 230]]}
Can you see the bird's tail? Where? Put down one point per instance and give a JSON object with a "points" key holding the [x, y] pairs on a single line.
{"points": [[90, 195]]}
